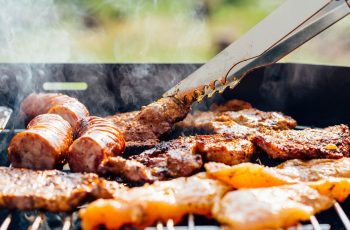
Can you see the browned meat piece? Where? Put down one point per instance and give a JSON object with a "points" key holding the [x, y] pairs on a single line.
{"points": [[180, 157], [69, 108], [99, 139], [231, 105], [135, 133], [146, 126], [51, 190], [167, 160], [230, 121], [331, 142], [43, 145], [224, 149]]}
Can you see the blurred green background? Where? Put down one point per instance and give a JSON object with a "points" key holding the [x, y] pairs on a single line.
{"points": [[144, 31]]}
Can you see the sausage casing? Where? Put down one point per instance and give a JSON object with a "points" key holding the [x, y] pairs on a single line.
{"points": [[99, 139], [67, 107], [43, 145]]}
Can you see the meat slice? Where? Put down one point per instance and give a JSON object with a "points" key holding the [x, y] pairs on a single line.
{"points": [[99, 139], [69, 108], [180, 157], [161, 201], [167, 160], [331, 142], [43, 145], [231, 105], [144, 128], [269, 208], [51, 190], [246, 121]]}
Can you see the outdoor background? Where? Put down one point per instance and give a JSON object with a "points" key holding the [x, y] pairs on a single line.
{"points": [[113, 31]]}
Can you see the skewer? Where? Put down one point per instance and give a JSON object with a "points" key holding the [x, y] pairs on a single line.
{"points": [[190, 222], [170, 224], [342, 215], [37, 222], [315, 223], [6, 223], [159, 225], [67, 223]]}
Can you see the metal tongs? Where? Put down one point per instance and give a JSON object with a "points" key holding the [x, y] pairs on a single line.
{"points": [[291, 25]]}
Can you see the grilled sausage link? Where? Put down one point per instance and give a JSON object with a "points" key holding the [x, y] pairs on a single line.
{"points": [[67, 107], [99, 139], [43, 145]]}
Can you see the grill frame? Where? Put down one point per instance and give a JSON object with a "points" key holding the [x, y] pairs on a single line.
{"points": [[280, 87]]}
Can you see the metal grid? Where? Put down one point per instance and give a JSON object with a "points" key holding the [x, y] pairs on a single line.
{"points": [[39, 219]]}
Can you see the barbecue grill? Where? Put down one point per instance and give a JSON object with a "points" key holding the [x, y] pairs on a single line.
{"points": [[315, 95]]}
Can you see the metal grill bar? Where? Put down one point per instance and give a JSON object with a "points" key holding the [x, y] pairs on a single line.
{"points": [[6, 223], [37, 222], [342, 215], [190, 222], [67, 223], [315, 223]]}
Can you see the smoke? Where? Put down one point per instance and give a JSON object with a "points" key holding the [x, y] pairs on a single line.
{"points": [[32, 31]]}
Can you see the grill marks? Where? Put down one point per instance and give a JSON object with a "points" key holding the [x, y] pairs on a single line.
{"points": [[331, 142], [180, 157], [51, 190]]}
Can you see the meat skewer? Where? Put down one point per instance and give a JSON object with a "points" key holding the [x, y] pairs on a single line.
{"points": [[43, 145], [51, 190], [161, 201], [269, 208], [98, 139], [67, 107], [328, 176]]}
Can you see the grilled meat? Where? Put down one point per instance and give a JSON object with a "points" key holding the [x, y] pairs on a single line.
{"points": [[232, 121], [69, 108], [249, 175], [51, 190], [269, 208], [167, 160], [231, 105], [43, 145], [180, 157], [331, 142], [135, 133], [146, 126], [161, 201], [328, 176], [99, 139]]}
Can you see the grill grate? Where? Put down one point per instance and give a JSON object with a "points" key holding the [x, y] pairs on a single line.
{"points": [[39, 220]]}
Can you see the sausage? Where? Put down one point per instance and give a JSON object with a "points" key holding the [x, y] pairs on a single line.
{"points": [[99, 139], [67, 107], [43, 145]]}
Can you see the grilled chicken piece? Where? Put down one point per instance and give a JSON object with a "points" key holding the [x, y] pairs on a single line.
{"points": [[98, 139], [146, 126], [331, 142], [269, 208], [328, 176], [69, 108], [51, 190], [161, 201], [180, 157], [43, 145]]}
